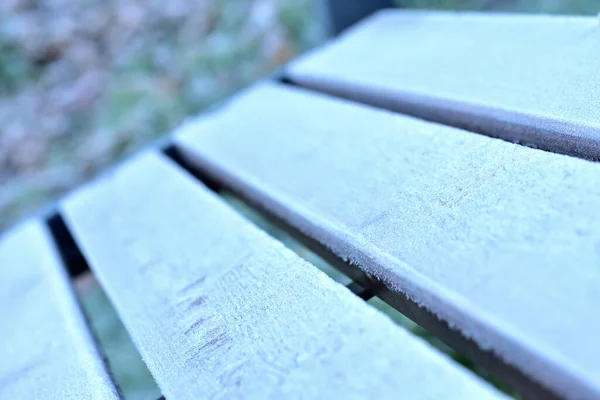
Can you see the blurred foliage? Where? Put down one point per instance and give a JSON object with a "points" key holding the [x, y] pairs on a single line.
{"points": [[84, 82]]}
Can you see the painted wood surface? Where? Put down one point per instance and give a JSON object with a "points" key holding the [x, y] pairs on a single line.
{"points": [[218, 309], [500, 240], [528, 79], [46, 350]]}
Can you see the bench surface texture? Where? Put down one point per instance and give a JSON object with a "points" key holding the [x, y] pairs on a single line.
{"points": [[46, 350], [445, 157]]}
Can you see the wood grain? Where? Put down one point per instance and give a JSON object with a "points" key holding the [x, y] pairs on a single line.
{"points": [[527, 79], [218, 309], [499, 240], [46, 350]]}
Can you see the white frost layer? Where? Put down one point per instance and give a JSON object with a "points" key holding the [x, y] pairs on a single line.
{"points": [[46, 350], [528, 79], [218, 309], [500, 240]]}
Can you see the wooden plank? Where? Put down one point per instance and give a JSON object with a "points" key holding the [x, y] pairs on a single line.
{"points": [[46, 350], [500, 240], [526, 79], [218, 309]]}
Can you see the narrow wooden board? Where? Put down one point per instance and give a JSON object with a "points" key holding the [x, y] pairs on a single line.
{"points": [[218, 309], [528, 79], [46, 350], [500, 240]]}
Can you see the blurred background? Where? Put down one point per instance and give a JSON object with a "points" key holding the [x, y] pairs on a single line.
{"points": [[83, 83]]}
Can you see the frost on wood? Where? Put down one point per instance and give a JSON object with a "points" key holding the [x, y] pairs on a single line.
{"points": [[500, 240], [46, 351], [527, 79], [218, 309]]}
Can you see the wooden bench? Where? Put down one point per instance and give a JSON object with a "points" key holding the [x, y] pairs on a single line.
{"points": [[492, 246]]}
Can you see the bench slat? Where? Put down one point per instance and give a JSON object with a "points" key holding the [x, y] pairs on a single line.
{"points": [[218, 309], [527, 79], [46, 350], [500, 240]]}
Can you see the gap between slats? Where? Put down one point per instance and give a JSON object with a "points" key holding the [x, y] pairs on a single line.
{"points": [[462, 116], [484, 363], [112, 340], [47, 349], [305, 291], [351, 277]]}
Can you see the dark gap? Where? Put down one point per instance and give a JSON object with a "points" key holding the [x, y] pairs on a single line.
{"points": [[443, 347], [276, 231], [284, 80], [345, 13], [69, 252], [360, 291], [421, 107], [94, 337], [124, 361], [175, 154], [121, 357], [424, 324], [398, 306], [289, 241]]}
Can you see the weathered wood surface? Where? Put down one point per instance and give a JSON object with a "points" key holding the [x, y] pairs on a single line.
{"points": [[500, 240], [527, 79], [220, 310], [46, 350]]}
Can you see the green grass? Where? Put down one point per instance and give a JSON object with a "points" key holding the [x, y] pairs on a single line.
{"points": [[126, 365]]}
